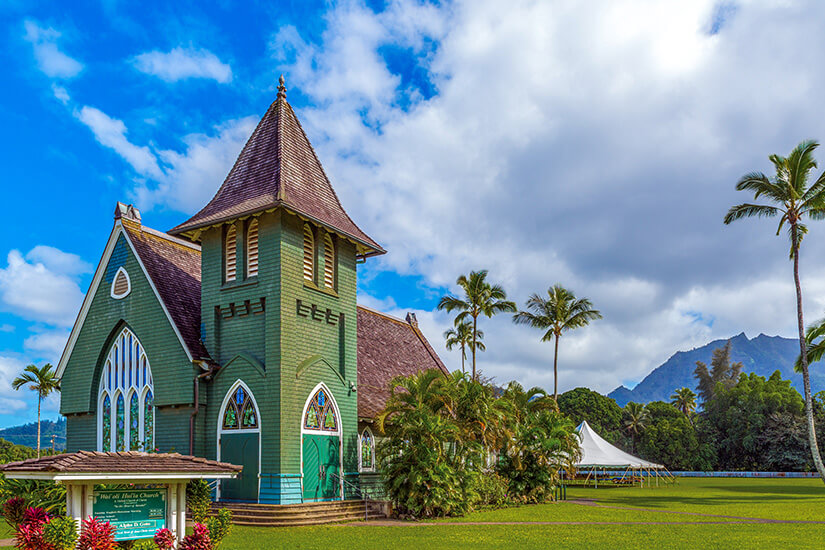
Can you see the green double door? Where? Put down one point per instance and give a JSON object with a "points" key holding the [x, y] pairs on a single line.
{"points": [[321, 467], [242, 449]]}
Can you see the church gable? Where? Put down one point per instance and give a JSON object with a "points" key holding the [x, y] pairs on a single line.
{"points": [[107, 309]]}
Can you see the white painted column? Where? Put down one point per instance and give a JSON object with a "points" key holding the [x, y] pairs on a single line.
{"points": [[182, 510], [77, 504], [68, 499], [90, 501], [172, 516]]}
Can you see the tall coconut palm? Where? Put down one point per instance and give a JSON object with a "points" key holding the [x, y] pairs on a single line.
{"points": [[42, 380], [684, 400], [635, 421], [461, 335], [793, 197], [557, 313], [480, 298]]}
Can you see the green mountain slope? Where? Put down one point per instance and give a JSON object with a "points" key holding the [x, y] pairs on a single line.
{"points": [[762, 355]]}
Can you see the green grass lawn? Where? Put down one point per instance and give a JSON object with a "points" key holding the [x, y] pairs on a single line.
{"points": [[769, 499]]}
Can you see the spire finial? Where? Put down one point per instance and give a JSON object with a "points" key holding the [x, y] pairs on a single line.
{"points": [[281, 88]]}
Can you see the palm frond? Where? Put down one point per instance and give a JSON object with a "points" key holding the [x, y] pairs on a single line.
{"points": [[750, 210]]}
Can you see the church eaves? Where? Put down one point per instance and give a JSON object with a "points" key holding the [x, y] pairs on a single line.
{"points": [[279, 168]]}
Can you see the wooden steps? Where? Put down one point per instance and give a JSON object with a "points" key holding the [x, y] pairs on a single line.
{"points": [[311, 513]]}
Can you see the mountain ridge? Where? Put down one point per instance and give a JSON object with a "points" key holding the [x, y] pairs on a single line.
{"points": [[762, 354]]}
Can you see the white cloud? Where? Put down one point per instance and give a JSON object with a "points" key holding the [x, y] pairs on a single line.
{"points": [[111, 132], [7, 328], [11, 400], [51, 61], [61, 94], [598, 148], [180, 63], [47, 345], [42, 286], [190, 178]]}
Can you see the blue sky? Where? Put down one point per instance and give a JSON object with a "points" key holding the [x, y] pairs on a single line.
{"points": [[597, 148]]}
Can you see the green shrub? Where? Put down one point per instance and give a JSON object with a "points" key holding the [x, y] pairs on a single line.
{"points": [[219, 526], [493, 490], [38, 494], [61, 533], [199, 500], [144, 544]]}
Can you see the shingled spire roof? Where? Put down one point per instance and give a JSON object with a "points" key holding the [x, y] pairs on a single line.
{"points": [[278, 167]]}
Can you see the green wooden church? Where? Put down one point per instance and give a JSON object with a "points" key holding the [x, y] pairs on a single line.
{"points": [[236, 335]]}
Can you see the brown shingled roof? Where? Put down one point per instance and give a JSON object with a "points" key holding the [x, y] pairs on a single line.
{"points": [[278, 167], [119, 463], [175, 270], [388, 347]]}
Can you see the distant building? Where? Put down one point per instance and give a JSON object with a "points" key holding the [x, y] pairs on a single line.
{"points": [[236, 335]]}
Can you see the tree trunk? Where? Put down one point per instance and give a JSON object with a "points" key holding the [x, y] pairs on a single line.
{"points": [[556, 371], [38, 424], [803, 356], [475, 319], [463, 356]]}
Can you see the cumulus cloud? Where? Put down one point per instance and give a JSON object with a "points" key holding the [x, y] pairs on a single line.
{"points": [[10, 368], [50, 60], [47, 345], [596, 148], [111, 132], [43, 285], [182, 63]]}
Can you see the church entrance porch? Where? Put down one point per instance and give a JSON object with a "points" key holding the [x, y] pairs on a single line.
{"points": [[321, 448]]}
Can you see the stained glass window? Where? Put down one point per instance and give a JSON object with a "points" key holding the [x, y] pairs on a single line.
{"points": [[107, 424], [126, 423], [134, 423], [120, 427], [320, 413], [240, 411], [367, 447], [148, 422]]}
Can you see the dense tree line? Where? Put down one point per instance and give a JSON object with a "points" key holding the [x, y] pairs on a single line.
{"points": [[747, 421]]}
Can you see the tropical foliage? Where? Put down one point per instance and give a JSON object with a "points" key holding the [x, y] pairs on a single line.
{"points": [[795, 198], [42, 380], [480, 298], [461, 336], [685, 401], [560, 311], [601, 412], [722, 372], [451, 444]]}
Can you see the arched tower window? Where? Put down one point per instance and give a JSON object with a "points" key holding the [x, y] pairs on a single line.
{"points": [[126, 414], [309, 254], [366, 451], [329, 262], [240, 412], [320, 413], [121, 285], [252, 249], [230, 253]]}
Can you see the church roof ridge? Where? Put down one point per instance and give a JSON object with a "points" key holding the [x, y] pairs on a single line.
{"points": [[278, 167]]}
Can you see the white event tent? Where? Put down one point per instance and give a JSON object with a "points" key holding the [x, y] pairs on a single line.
{"points": [[598, 454]]}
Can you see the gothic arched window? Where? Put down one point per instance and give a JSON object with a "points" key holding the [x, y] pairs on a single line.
{"points": [[125, 398], [320, 413], [240, 412], [366, 451]]}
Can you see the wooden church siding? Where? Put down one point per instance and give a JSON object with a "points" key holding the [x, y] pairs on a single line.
{"points": [[143, 314], [304, 337], [81, 432]]}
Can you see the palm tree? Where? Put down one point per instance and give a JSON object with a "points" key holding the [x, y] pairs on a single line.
{"points": [[480, 298], [462, 335], [559, 312], [721, 371], [44, 381], [684, 400], [635, 421], [793, 198]]}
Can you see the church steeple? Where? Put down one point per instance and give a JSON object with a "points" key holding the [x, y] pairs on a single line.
{"points": [[278, 168]]}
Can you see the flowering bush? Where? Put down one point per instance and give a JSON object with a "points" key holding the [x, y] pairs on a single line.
{"points": [[14, 510], [164, 539], [96, 535], [199, 540], [29, 532]]}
